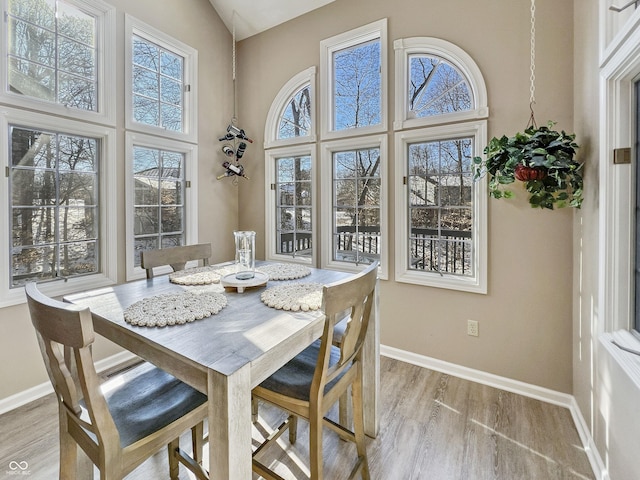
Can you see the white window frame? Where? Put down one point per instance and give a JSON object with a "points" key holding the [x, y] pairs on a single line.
{"points": [[107, 208], [270, 202], [478, 282], [105, 15], [138, 28], [190, 194], [619, 70], [405, 47], [280, 102], [352, 38], [326, 193]]}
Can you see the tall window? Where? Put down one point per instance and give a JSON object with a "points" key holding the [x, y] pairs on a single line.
{"points": [[290, 171], [440, 210], [439, 186], [54, 205], [293, 206], [356, 206], [158, 212], [55, 55], [161, 121]]}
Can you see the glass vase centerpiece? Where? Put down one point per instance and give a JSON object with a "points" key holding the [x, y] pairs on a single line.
{"points": [[245, 254]]}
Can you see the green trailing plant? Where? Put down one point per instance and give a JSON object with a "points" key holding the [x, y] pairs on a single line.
{"points": [[540, 157]]}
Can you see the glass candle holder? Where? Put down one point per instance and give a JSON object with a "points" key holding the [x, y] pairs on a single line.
{"points": [[245, 254]]}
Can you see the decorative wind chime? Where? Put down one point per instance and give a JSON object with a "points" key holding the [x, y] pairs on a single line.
{"points": [[234, 140]]}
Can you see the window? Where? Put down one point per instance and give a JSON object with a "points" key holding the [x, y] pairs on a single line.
{"points": [[55, 54], [294, 213], [354, 188], [637, 212], [440, 210], [161, 199], [436, 82], [161, 83], [353, 85], [290, 171], [55, 204]]}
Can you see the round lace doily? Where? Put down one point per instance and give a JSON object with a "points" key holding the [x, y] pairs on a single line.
{"points": [[285, 271], [294, 297], [195, 276], [174, 308]]}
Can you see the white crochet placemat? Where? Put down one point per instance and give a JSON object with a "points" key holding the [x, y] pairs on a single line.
{"points": [[174, 308], [294, 297], [285, 271], [195, 276]]}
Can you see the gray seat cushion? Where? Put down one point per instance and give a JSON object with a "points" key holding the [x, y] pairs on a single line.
{"points": [[148, 399], [295, 377]]}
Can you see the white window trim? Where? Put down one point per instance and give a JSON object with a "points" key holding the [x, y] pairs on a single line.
{"points": [[190, 195], [404, 47], [133, 26], [105, 15], [618, 72], [107, 207], [348, 39], [295, 84], [270, 202], [477, 283], [326, 193]]}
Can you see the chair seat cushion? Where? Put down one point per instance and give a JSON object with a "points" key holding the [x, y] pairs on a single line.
{"points": [[146, 399], [295, 377]]}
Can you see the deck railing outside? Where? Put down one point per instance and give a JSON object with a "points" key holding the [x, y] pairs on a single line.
{"points": [[446, 251]]}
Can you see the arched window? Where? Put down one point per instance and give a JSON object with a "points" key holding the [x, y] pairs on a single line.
{"points": [[436, 82], [440, 209], [291, 117]]}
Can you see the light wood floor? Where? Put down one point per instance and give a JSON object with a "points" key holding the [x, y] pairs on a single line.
{"points": [[432, 426]]}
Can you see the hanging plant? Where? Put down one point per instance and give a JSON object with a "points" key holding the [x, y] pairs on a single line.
{"points": [[541, 158]]}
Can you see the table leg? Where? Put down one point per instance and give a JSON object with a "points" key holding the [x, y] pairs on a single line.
{"points": [[371, 371], [230, 425]]}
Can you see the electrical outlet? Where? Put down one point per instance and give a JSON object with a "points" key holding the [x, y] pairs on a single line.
{"points": [[472, 328]]}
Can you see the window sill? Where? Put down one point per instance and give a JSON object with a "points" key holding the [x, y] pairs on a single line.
{"points": [[16, 296], [628, 362], [451, 282]]}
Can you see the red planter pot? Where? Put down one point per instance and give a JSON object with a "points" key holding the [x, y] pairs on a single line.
{"points": [[525, 174]]}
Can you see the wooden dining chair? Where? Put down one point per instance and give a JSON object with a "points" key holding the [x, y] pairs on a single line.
{"points": [[310, 384], [176, 257], [119, 423]]}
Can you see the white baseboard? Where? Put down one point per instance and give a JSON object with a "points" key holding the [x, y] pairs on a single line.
{"points": [[513, 386], [14, 401]]}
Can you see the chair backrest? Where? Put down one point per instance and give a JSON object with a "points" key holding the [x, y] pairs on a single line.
{"points": [[353, 296], [65, 334], [176, 257]]}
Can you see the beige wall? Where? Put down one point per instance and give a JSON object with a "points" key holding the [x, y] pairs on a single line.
{"points": [[525, 319], [606, 395], [195, 23]]}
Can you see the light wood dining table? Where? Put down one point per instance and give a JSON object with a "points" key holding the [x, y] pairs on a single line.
{"points": [[227, 354]]}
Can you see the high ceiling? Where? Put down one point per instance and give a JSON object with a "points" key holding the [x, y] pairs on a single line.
{"points": [[255, 16]]}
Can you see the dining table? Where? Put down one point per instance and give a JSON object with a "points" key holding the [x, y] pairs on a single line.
{"points": [[226, 354]]}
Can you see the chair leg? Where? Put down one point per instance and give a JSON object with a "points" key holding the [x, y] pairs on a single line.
{"points": [[293, 429], [174, 466], [315, 443], [254, 409], [68, 452], [358, 423], [197, 442], [344, 410]]}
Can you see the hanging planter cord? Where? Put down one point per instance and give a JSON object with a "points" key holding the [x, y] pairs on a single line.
{"points": [[532, 88]]}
